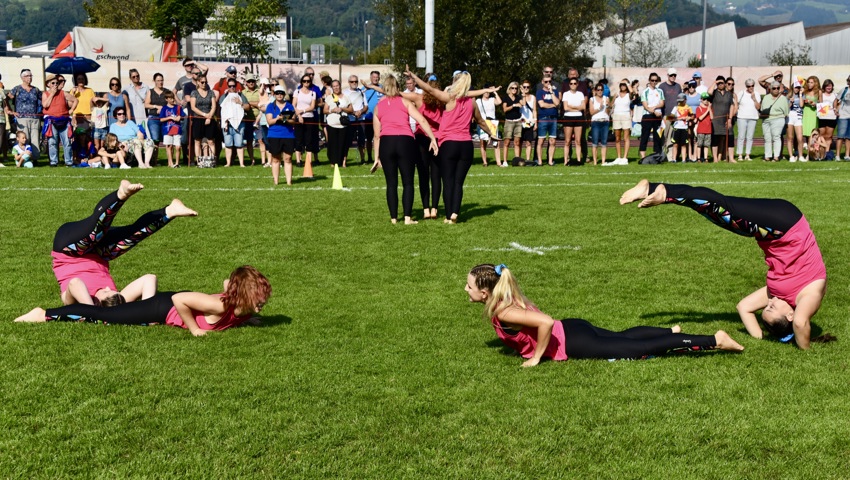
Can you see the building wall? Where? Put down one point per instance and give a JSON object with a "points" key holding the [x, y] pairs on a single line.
{"points": [[751, 51], [832, 48], [720, 45]]}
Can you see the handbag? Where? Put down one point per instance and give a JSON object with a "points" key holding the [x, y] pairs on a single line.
{"points": [[765, 111], [206, 157], [344, 120]]}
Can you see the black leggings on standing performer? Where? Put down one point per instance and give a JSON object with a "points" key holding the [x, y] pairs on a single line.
{"points": [[397, 154], [587, 341], [455, 162], [427, 166]]}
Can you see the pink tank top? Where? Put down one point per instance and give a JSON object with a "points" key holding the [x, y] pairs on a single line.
{"points": [[91, 269], [455, 123], [227, 320], [793, 262], [525, 341], [394, 117], [434, 117]]}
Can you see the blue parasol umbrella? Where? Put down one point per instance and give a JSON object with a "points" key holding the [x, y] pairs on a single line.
{"points": [[72, 65]]}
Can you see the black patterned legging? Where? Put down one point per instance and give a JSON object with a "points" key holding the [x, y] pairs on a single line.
{"points": [[587, 341], [95, 234], [398, 153], [760, 218], [153, 310]]}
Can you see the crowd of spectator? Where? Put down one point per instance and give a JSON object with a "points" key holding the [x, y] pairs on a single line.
{"points": [[688, 121]]}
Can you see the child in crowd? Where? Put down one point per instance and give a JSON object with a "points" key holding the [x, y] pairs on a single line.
{"points": [[682, 113], [170, 115], [100, 121], [22, 151], [703, 119], [818, 146], [112, 151]]}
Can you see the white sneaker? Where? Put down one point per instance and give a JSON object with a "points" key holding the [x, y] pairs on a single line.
{"points": [[125, 167], [505, 164], [623, 161], [847, 158], [804, 159], [608, 164], [792, 159], [805, 146]]}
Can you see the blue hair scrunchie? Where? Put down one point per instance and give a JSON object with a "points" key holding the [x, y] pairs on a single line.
{"points": [[787, 338], [499, 268]]}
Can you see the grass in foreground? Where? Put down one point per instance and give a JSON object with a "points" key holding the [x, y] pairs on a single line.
{"points": [[371, 363]]}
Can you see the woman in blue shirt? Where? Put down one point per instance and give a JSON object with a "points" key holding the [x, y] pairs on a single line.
{"points": [[281, 138]]}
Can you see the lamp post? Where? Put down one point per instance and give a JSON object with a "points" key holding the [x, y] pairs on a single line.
{"points": [[365, 61], [330, 50]]}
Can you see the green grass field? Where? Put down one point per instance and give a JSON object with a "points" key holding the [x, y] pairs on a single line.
{"points": [[371, 363]]}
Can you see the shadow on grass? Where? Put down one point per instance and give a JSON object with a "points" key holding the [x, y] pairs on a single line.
{"points": [[274, 321], [308, 180], [472, 210], [496, 343], [695, 317]]}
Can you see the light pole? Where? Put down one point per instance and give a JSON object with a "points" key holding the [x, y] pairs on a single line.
{"points": [[365, 61], [330, 50]]}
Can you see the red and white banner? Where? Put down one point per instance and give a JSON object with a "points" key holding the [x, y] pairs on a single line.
{"points": [[127, 45]]}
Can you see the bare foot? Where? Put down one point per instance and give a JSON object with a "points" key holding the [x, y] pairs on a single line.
{"points": [[393, 221], [409, 221], [427, 214], [434, 213], [177, 209], [725, 342], [657, 198], [676, 329], [638, 192], [36, 315], [127, 189]]}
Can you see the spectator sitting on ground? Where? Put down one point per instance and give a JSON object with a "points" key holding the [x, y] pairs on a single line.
{"points": [[112, 152], [22, 151]]}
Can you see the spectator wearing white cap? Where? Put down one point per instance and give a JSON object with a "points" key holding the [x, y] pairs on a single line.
{"points": [[749, 104], [671, 91]]}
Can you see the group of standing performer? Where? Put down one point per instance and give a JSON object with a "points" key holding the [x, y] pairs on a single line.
{"points": [[442, 137]]}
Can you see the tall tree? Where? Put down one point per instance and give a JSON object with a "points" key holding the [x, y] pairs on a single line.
{"points": [[178, 19], [496, 40], [128, 14], [248, 26]]}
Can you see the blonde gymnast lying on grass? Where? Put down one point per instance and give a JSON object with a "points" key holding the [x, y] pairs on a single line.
{"points": [[535, 335]]}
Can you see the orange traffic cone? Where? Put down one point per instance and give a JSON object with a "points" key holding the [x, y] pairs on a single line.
{"points": [[308, 169]]}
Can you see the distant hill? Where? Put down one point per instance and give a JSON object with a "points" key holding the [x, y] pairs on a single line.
{"points": [[35, 21], [766, 12]]}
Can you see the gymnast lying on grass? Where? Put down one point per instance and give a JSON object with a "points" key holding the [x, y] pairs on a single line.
{"points": [[796, 275], [83, 249], [245, 293], [535, 335]]}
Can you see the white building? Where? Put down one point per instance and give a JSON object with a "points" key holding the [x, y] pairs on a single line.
{"points": [[727, 45], [205, 45]]}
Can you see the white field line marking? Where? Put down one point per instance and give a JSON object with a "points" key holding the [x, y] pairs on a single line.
{"points": [[606, 173], [514, 246]]}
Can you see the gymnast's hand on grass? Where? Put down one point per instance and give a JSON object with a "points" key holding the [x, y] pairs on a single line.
{"points": [[531, 362]]}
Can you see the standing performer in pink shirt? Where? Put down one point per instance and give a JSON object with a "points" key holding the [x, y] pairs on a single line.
{"points": [[796, 275], [83, 249], [395, 146]]}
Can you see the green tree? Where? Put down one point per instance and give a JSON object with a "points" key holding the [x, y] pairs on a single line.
{"points": [[650, 48], [248, 26], [498, 41], [791, 53], [626, 17], [178, 19], [125, 14]]}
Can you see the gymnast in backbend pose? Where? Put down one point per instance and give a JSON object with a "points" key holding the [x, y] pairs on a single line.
{"points": [[245, 293], [796, 275], [83, 249], [535, 335]]}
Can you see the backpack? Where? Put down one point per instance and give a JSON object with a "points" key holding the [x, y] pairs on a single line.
{"points": [[654, 159]]}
